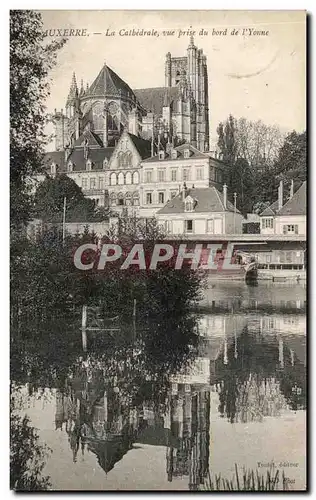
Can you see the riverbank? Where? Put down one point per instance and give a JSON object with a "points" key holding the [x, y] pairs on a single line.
{"points": [[282, 275]]}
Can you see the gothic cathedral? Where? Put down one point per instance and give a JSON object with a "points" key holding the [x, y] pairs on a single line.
{"points": [[173, 114]]}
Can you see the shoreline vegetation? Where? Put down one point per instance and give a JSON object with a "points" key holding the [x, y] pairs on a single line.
{"points": [[247, 480]]}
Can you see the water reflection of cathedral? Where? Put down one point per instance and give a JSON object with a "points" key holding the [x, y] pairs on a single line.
{"points": [[108, 427], [188, 421], [253, 368]]}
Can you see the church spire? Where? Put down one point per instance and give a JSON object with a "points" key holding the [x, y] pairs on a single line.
{"points": [[74, 83], [73, 91], [81, 88]]}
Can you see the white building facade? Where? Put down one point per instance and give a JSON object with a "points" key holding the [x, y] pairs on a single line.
{"points": [[200, 211], [288, 219], [163, 175]]}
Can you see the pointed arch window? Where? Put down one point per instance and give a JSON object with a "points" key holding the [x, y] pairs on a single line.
{"points": [[121, 179], [189, 205], [128, 159], [113, 199], [135, 178], [128, 199], [113, 179], [135, 198], [121, 159], [120, 199], [128, 178], [98, 116]]}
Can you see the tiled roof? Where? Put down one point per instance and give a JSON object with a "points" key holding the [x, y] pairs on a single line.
{"points": [[194, 153], [294, 206], [108, 82], [93, 139], [142, 145], [271, 210], [297, 204], [207, 200], [96, 153], [96, 156], [153, 99]]}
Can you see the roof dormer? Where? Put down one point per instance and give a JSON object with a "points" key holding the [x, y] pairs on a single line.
{"points": [[186, 153], [70, 166], [161, 155], [53, 169], [89, 165], [188, 204], [174, 154], [105, 163]]}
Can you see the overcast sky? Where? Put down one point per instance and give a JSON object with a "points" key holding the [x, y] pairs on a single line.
{"points": [[256, 77]]}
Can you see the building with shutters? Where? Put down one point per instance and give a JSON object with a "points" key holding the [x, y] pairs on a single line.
{"points": [[288, 218], [200, 211], [163, 175]]}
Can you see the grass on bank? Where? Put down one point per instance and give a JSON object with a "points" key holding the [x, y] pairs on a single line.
{"points": [[248, 480]]}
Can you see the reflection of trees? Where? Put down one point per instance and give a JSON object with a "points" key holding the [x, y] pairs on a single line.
{"points": [[42, 355], [253, 383], [104, 396]]}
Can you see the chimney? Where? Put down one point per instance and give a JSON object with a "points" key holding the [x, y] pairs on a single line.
{"points": [[280, 195], [225, 195], [292, 189], [184, 191]]}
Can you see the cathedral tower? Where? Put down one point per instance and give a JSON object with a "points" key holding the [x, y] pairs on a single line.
{"points": [[193, 68]]}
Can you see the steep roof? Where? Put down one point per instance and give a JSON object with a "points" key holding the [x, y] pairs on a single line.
{"points": [[142, 145], [297, 204], [108, 82], [97, 157], [153, 99], [294, 206], [207, 200], [271, 210], [194, 153], [93, 139]]}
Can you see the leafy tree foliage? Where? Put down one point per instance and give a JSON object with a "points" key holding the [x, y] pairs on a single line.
{"points": [[258, 157], [31, 60], [50, 284], [292, 159], [49, 201]]}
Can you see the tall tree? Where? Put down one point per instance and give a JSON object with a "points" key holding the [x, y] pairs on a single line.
{"points": [[227, 140], [31, 59], [258, 142], [292, 159], [250, 150], [49, 200]]}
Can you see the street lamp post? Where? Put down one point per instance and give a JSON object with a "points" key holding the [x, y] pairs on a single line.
{"points": [[235, 208], [64, 219]]}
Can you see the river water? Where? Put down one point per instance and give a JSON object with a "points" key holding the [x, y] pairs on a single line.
{"points": [[240, 402]]}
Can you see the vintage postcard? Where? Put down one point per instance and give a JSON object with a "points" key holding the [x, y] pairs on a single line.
{"points": [[158, 250]]}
